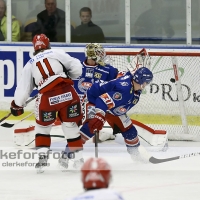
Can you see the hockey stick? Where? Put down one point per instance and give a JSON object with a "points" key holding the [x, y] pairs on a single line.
{"points": [[8, 125], [8, 115], [28, 101], [154, 160], [96, 143]]}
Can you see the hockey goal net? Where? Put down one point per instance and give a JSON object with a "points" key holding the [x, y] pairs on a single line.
{"points": [[172, 101]]}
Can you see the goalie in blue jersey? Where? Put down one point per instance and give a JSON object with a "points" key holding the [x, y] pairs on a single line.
{"points": [[94, 68]]}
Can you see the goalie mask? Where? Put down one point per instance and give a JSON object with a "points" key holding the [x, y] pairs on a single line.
{"points": [[96, 173], [95, 52]]}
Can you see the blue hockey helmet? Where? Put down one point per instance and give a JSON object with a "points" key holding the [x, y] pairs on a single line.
{"points": [[143, 75]]}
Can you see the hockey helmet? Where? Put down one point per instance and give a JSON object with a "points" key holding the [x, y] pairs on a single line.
{"points": [[40, 42], [95, 52], [143, 75], [96, 173]]}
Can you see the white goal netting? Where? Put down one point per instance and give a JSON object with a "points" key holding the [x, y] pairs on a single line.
{"points": [[168, 104]]}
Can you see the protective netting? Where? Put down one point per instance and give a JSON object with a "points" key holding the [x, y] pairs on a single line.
{"points": [[159, 105]]}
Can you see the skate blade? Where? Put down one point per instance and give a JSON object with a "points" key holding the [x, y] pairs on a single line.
{"points": [[40, 171], [63, 168]]}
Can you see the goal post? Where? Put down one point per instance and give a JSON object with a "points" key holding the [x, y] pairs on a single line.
{"points": [[171, 101]]}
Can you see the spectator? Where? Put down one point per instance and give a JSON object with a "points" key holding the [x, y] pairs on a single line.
{"points": [[3, 24], [153, 23], [31, 19], [51, 22], [87, 32], [96, 177]]}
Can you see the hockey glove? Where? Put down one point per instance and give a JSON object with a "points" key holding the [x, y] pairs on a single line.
{"points": [[16, 110], [96, 123]]}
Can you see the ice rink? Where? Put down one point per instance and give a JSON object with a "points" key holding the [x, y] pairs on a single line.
{"points": [[174, 180]]}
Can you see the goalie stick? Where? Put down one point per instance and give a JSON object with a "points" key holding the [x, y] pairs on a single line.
{"points": [[59, 136], [28, 101], [154, 160]]}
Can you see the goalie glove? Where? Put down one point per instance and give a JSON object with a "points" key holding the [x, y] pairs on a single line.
{"points": [[96, 123], [16, 110]]}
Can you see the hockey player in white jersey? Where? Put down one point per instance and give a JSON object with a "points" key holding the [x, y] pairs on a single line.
{"points": [[96, 177], [51, 71]]}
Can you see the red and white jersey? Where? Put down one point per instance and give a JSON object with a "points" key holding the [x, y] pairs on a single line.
{"points": [[45, 70], [98, 194]]}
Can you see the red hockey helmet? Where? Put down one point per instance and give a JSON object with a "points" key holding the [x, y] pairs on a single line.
{"points": [[96, 173], [40, 42]]}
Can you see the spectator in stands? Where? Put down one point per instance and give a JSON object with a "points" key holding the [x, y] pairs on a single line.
{"points": [[153, 23], [31, 19], [51, 22], [3, 24], [87, 32]]}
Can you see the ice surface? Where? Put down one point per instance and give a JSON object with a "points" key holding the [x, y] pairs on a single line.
{"points": [[173, 180]]}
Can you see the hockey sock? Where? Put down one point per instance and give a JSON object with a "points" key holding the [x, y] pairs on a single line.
{"points": [[42, 140]]}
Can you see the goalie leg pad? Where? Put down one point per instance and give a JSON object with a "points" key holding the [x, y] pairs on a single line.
{"points": [[24, 136], [106, 134]]}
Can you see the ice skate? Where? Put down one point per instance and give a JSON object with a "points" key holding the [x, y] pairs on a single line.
{"points": [[78, 160], [139, 154], [63, 161], [166, 146], [136, 157], [42, 163], [78, 163]]}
